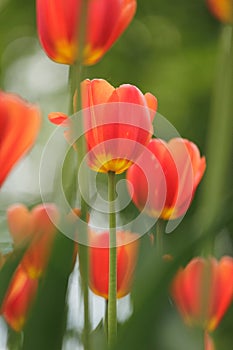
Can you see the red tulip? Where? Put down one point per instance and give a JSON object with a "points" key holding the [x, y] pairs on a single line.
{"points": [[165, 177], [221, 9], [118, 124], [59, 29], [19, 125], [127, 248], [19, 298], [38, 227], [203, 290]]}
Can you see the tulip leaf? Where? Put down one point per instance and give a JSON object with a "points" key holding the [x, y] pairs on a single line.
{"points": [[46, 324]]}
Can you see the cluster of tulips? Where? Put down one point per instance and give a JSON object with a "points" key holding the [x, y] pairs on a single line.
{"points": [[117, 127]]}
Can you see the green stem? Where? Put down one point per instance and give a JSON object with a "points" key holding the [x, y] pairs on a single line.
{"points": [[76, 78], [75, 85], [112, 287], [106, 318], [70, 174], [14, 340], [159, 237], [219, 142]]}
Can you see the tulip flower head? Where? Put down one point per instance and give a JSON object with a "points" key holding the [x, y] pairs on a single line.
{"points": [[61, 25], [127, 248], [38, 228], [203, 291], [165, 177], [19, 126], [19, 298], [117, 124], [221, 9]]}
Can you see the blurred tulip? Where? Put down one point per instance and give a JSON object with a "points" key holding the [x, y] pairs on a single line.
{"points": [[19, 125], [221, 9], [18, 299], [59, 27], [127, 251], [38, 227], [203, 291], [117, 124], [165, 177], [20, 223]]}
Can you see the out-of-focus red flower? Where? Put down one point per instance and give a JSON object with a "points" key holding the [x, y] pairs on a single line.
{"points": [[19, 125], [59, 29], [221, 9], [20, 223], [127, 251], [203, 290], [18, 299], [38, 227], [165, 177], [117, 124]]}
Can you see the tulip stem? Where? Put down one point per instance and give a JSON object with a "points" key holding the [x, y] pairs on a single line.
{"points": [[159, 238], [14, 340], [106, 317], [75, 78], [112, 287], [219, 133], [75, 83]]}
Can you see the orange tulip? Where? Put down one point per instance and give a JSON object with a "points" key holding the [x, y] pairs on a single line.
{"points": [[19, 125], [38, 227], [127, 248], [221, 9], [19, 298], [203, 290], [165, 177], [117, 123], [59, 29]]}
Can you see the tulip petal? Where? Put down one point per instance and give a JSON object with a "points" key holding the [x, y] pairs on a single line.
{"points": [[20, 223], [203, 291], [58, 118], [19, 125], [127, 247], [19, 297]]}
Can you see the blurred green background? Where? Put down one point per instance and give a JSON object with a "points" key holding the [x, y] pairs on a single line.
{"points": [[171, 49]]}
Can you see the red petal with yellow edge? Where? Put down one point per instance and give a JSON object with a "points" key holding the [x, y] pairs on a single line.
{"points": [[18, 299], [36, 257], [204, 290], [59, 28], [222, 291]]}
